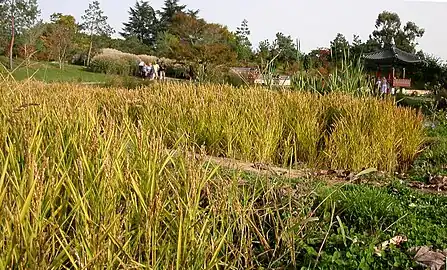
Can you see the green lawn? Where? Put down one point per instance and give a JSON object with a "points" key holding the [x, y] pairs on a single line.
{"points": [[50, 72]]}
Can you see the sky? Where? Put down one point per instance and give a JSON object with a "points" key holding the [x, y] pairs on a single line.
{"points": [[314, 22]]}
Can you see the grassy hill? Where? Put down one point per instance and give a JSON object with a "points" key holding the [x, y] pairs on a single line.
{"points": [[50, 72]]}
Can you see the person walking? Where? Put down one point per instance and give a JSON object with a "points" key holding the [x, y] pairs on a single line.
{"points": [[141, 66], [147, 71], [162, 71], [384, 86], [156, 70], [378, 85]]}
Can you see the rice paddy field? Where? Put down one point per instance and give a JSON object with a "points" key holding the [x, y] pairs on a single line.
{"points": [[103, 178]]}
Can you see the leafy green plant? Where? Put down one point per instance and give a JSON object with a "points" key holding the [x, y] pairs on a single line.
{"points": [[369, 215], [348, 78]]}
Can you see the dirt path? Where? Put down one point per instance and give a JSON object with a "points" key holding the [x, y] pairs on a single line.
{"points": [[256, 168], [331, 177]]}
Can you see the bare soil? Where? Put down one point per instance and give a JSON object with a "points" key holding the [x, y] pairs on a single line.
{"points": [[331, 177]]}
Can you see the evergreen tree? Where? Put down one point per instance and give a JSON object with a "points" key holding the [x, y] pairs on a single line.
{"points": [[142, 23], [243, 33], [95, 23], [285, 48], [339, 48], [243, 48], [170, 8]]}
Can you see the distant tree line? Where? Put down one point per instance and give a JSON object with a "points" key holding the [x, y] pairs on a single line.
{"points": [[180, 33]]}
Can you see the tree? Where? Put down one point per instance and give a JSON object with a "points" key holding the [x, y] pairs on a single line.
{"points": [[243, 44], [29, 40], [142, 23], [264, 51], [193, 13], [95, 23], [167, 45], [408, 35], [169, 10], [22, 15], [285, 48], [358, 47], [339, 48], [388, 28], [196, 40], [59, 36], [4, 29], [202, 46]]}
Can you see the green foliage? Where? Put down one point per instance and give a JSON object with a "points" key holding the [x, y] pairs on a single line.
{"points": [[432, 73], [349, 77], [168, 11], [388, 28], [285, 48], [243, 44], [129, 45], [16, 16], [25, 12], [59, 37], [142, 23], [340, 48], [192, 39], [371, 215], [433, 161], [283, 51], [95, 22]]}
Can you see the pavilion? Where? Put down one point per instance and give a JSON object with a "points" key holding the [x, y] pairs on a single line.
{"points": [[387, 60]]}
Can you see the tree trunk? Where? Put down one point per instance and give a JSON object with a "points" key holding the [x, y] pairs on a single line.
{"points": [[90, 51], [26, 55], [11, 45], [62, 57]]}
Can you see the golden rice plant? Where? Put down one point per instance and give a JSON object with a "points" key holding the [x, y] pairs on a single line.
{"points": [[334, 131], [94, 178], [85, 183]]}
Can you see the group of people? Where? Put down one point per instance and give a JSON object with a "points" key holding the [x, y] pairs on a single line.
{"points": [[151, 72], [383, 86]]}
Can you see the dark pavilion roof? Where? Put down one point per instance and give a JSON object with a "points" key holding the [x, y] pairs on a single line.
{"points": [[391, 55]]}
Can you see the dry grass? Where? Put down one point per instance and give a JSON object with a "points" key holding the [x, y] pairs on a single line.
{"points": [[86, 181], [111, 61]]}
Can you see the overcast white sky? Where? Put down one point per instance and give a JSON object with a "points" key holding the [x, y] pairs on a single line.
{"points": [[314, 22]]}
